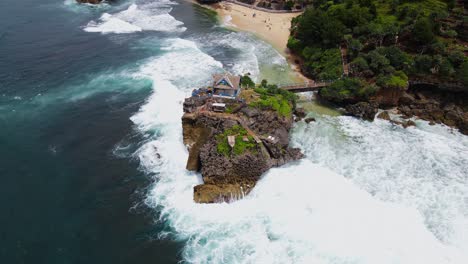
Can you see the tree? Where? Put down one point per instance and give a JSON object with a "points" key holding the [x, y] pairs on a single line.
{"points": [[316, 27], [289, 5], [354, 47], [360, 67], [247, 82], [423, 63], [422, 31], [446, 69], [397, 80], [382, 28], [456, 57], [377, 61], [463, 73], [398, 58]]}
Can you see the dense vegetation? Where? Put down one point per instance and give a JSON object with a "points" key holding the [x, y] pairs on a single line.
{"points": [[271, 97], [240, 147], [386, 41]]}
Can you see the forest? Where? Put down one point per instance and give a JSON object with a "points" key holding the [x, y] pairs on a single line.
{"points": [[387, 42]]}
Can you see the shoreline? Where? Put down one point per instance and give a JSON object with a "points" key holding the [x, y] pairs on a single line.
{"points": [[273, 28]]}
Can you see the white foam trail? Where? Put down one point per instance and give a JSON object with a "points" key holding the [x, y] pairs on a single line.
{"points": [[304, 213], [149, 17]]}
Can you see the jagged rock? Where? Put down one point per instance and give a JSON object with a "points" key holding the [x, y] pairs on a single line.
{"points": [[191, 103], [384, 115], [436, 106], [404, 124], [364, 110], [452, 115], [409, 123], [389, 96], [250, 111], [230, 176], [195, 136], [437, 114], [309, 119], [406, 99], [211, 193], [300, 112]]}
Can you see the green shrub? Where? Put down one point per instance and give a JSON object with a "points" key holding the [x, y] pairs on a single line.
{"points": [[240, 147], [323, 64], [348, 89], [398, 80], [247, 82], [274, 98]]}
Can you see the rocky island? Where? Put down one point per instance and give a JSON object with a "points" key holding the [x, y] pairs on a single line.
{"points": [[234, 133]]}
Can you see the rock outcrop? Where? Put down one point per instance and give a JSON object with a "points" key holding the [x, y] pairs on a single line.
{"points": [[444, 103], [389, 96], [227, 174], [438, 107], [364, 110]]}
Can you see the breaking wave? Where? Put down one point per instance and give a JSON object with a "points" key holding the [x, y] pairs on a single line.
{"points": [[153, 16]]}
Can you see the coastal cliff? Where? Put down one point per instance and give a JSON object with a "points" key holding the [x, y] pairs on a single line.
{"points": [[233, 148], [384, 54]]}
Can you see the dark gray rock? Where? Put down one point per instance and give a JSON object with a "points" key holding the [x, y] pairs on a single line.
{"points": [[300, 112], [234, 175], [364, 110], [384, 115]]}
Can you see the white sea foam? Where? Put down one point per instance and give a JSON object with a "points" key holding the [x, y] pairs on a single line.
{"points": [[110, 24], [149, 17], [400, 195], [424, 167], [227, 21], [250, 54]]}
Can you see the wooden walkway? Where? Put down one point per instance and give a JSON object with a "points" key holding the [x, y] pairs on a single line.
{"points": [[315, 86], [304, 87]]}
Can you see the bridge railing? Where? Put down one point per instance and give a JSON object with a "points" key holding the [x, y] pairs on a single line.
{"points": [[310, 84]]}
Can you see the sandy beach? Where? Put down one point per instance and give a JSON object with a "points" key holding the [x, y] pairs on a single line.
{"points": [[272, 27]]}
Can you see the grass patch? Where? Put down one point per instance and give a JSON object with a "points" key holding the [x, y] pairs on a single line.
{"points": [[240, 147], [275, 99]]}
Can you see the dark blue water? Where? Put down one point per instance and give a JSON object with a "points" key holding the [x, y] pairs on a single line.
{"points": [[65, 196]]}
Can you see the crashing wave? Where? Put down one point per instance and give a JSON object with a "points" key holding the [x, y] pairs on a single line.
{"points": [[149, 17]]}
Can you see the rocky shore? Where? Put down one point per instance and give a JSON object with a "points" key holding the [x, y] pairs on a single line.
{"points": [[435, 106], [232, 149], [427, 102]]}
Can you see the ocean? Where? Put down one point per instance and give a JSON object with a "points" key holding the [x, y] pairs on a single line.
{"points": [[92, 163]]}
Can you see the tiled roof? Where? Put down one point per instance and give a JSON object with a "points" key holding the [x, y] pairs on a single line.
{"points": [[233, 80]]}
